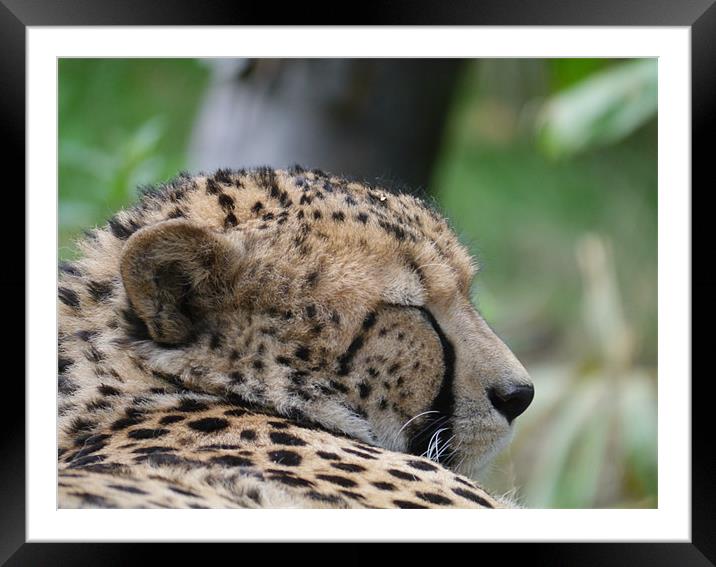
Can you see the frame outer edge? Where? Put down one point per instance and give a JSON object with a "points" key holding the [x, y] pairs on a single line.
{"points": [[12, 41], [12, 286], [703, 124]]}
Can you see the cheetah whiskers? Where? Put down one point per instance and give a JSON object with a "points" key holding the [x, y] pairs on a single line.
{"points": [[453, 453], [460, 463], [411, 420], [437, 422], [445, 447], [433, 452]]}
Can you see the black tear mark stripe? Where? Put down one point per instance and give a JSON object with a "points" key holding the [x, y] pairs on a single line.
{"points": [[444, 402]]}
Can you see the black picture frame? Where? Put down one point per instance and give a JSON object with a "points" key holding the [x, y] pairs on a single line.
{"points": [[699, 15]]}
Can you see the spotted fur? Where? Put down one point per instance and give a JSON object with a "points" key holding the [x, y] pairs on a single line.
{"points": [[275, 339]]}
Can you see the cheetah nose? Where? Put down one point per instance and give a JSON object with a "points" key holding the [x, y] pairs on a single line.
{"points": [[513, 402]]}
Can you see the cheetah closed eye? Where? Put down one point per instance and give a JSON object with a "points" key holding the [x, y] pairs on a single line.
{"points": [[278, 339]]}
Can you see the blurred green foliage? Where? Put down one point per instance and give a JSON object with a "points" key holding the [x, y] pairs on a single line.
{"points": [[122, 123], [600, 110], [548, 171]]}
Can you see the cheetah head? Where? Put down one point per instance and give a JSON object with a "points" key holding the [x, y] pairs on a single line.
{"points": [[340, 303]]}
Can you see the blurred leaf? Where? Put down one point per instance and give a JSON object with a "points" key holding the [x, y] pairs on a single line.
{"points": [[565, 72], [140, 160], [77, 214], [122, 123], [600, 110], [565, 427], [87, 160], [638, 423], [580, 478], [144, 141], [584, 326]]}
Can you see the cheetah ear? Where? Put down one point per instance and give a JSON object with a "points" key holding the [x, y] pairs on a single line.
{"points": [[176, 276]]}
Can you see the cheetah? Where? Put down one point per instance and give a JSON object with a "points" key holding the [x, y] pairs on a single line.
{"points": [[278, 339]]}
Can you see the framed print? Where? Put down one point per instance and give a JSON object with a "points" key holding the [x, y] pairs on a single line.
{"points": [[270, 320]]}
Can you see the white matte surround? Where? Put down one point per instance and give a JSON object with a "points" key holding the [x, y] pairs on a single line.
{"points": [[671, 521]]}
